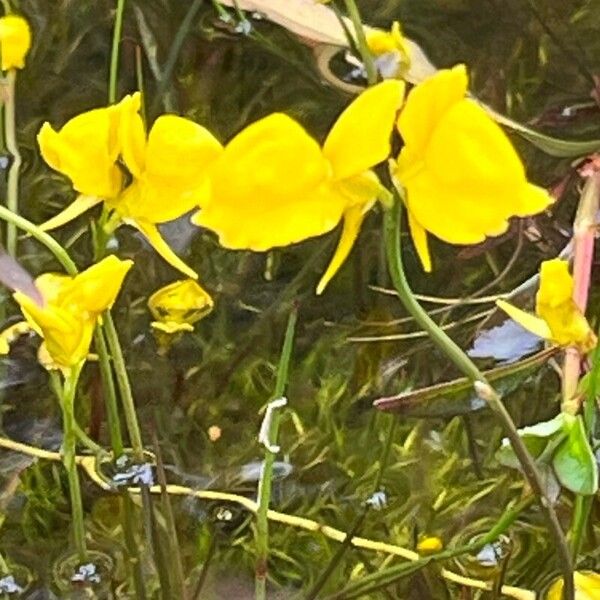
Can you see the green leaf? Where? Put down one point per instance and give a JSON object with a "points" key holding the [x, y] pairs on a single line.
{"points": [[574, 462], [548, 144]]}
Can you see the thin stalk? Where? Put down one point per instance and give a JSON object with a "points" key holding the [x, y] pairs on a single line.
{"points": [[392, 224], [385, 577], [67, 404], [88, 442], [12, 200], [132, 547], [583, 504], [114, 54], [41, 236], [133, 428], [109, 393], [266, 475], [361, 41], [337, 557]]}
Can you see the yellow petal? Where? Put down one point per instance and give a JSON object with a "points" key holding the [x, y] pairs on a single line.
{"points": [[428, 102], [353, 218], [179, 152], [11, 333], [85, 150], [555, 304], [15, 41], [80, 205], [171, 327], [182, 302], [528, 321], [419, 238], [360, 138], [132, 134], [278, 222], [268, 188], [95, 289], [587, 587], [468, 148], [153, 236], [556, 283], [67, 336]]}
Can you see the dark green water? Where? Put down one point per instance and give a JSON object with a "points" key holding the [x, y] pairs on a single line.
{"points": [[531, 60]]}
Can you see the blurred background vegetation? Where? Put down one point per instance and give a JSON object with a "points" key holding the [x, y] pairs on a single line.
{"points": [[535, 60]]}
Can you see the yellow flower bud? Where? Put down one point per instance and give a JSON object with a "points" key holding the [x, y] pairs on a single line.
{"points": [[429, 545], [15, 41], [177, 306]]}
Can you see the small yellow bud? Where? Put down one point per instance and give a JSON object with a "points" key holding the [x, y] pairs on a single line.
{"points": [[430, 545]]}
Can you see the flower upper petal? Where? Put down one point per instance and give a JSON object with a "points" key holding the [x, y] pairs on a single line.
{"points": [[360, 138], [95, 289], [179, 152], [132, 134], [85, 151], [428, 102]]}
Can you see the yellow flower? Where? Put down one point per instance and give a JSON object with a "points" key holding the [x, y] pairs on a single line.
{"points": [[273, 186], [72, 305], [15, 41], [587, 587], [462, 176], [177, 306], [168, 168], [559, 319], [391, 52]]}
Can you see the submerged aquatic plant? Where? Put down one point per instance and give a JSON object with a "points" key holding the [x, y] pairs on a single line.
{"points": [[168, 168], [273, 186], [558, 317], [462, 176], [72, 306], [15, 41]]}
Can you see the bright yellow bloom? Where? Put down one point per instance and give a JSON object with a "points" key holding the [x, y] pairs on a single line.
{"points": [[462, 176], [15, 41], [273, 186], [559, 319], [391, 52], [72, 305], [587, 587], [177, 306], [168, 167]]}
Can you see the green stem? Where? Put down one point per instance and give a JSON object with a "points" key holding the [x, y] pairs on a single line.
{"points": [[114, 54], [392, 225], [109, 393], [361, 41], [67, 403], [133, 428], [266, 475], [88, 442], [41, 236], [12, 146], [385, 577]]}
